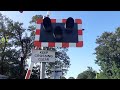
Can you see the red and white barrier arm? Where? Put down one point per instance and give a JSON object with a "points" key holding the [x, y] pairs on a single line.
{"points": [[29, 71]]}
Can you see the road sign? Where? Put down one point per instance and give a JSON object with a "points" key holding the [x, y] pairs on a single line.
{"points": [[56, 73], [42, 56]]}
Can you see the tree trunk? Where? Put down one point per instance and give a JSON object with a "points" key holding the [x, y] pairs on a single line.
{"points": [[22, 68]]}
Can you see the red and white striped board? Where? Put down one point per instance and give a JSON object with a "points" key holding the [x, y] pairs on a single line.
{"points": [[29, 71], [37, 43]]}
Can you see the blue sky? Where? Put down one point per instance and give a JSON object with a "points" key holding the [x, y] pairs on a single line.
{"points": [[94, 23]]}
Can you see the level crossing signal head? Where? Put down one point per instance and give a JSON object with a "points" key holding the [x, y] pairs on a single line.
{"points": [[60, 31]]}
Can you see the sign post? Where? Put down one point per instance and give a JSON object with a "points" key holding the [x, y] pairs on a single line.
{"points": [[42, 73]]}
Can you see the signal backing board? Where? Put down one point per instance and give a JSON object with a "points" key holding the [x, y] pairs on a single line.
{"points": [[38, 43]]}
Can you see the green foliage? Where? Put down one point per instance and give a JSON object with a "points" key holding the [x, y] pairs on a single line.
{"points": [[108, 54], [11, 63], [5, 46], [71, 78], [34, 18], [35, 72], [63, 78], [87, 74], [101, 75]]}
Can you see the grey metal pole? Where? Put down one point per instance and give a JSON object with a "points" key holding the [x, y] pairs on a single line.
{"points": [[42, 73], [40, 70]]}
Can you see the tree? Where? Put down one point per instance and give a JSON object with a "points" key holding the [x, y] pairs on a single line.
{"points": [[5, 46], [101, 75], [16, 50], [24, 45], [87, 74], [62, 58], [35, 72], [63, 78], [108, 54], [71, 78]]}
